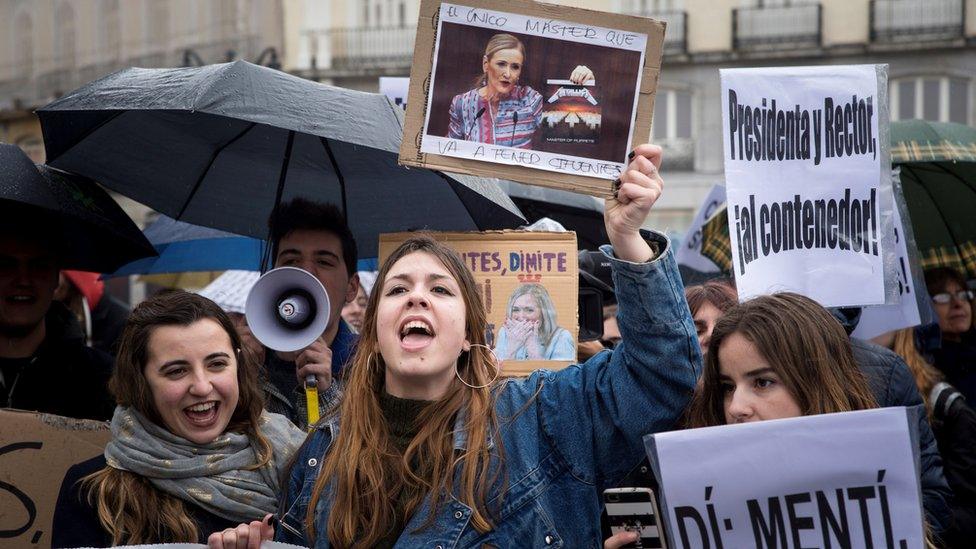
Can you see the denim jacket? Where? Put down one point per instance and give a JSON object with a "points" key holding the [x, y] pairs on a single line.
{"points": [[566, 434]]}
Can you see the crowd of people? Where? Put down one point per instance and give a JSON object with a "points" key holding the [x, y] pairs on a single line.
{"points": [[424, 441]]}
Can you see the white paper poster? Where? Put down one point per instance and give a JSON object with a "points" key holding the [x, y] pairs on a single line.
{"points": [[395, 87], [689, 253], [832, 480], [885, 318], [805, 166]]}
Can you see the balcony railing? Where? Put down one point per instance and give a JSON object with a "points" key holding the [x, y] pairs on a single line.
{"points": [[774, 27], [362, 49], [895, 21], [676, 37]]}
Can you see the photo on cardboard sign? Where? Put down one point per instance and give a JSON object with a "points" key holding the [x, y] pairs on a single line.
{"points": [[520, 90]]}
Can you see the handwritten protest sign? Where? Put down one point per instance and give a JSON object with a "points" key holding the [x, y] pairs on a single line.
{"points": [[807, 177], [528, 282], [35, 452], [832, 480], [689, 254], [546, 120]]}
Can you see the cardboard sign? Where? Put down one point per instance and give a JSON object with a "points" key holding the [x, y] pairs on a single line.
{"points": [[832, 480], [523, 277], [547, 121], [35, 452], [807, 171], [689, 254]]}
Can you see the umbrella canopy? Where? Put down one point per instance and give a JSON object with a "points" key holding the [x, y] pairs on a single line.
{"points": [[221, 145], [183, 247], [94, 233], [575, 212], [938, 177]]}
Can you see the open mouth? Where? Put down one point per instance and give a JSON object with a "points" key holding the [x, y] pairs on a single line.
{"points": [[203, 414], [416, 333]]}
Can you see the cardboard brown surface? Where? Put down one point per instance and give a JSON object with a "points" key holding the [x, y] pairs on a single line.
{"points": [[553, 263], [420, 84], [35, 452]]}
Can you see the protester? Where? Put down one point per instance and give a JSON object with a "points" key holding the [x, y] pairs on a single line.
{"points": [[708, 302], [313, 237], [954, 424], [531, 330], [354, 311], [952, 301], [498, 110], [101, 315], [422, 403], [192, 450], [45, 365]]}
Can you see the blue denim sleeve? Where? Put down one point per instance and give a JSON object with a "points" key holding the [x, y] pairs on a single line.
{"points": [[596, 413]]}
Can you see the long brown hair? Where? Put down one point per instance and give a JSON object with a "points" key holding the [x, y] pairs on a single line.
{"points": [[926, 376], [367, 471], [129, 507], [806, 347]]}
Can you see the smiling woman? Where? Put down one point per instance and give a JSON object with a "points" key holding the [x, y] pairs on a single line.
{"points": [[192, 451]]}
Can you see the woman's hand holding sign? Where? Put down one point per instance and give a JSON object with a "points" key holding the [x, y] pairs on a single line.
{"points": [[638, 188]]}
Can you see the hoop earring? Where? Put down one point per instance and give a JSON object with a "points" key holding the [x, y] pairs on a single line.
{"points": [[369, 363], [498, 368]]}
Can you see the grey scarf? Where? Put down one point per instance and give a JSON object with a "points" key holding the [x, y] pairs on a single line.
{"points": [[213, 476]]}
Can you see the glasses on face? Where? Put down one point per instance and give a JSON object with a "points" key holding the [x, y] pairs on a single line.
{"points": [[945, 297]]}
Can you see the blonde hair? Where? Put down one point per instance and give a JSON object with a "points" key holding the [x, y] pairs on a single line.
{"points": [[547, 309], [497, 43], [363, 465], [926, 376]]}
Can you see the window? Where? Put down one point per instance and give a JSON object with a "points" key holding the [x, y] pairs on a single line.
{"points": [[935, 98], [650, 6], [64, 36], [112, 37], [672, 127], [23, 45], [159, 33]]}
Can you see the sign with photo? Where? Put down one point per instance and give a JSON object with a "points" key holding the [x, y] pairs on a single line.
{"points": [[528, 282], [807, 176], [524, 91]]}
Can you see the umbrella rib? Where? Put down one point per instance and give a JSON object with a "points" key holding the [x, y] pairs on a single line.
{"points": [[279, 191], [925, 189], [51, 159], [335, 168], [203, 174]]}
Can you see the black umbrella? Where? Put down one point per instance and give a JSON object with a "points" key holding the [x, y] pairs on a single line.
{"points": [[96, 235], [577, 212], [221, 145]]}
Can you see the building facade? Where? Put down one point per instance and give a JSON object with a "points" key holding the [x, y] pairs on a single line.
{"points": [[929, 45]]}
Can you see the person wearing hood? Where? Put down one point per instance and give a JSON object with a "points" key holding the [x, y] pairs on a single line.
{"points": [[45, 365], [101, 315]]}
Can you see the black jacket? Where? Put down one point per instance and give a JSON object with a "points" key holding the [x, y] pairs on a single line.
{"points": [[63, 377], [76, 521], [954, 424], [957, 361]]}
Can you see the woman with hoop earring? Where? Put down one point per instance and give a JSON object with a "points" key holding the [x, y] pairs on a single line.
{"points": [[430, 448], [499, 110]]}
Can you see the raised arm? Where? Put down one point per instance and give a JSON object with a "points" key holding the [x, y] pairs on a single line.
{"points": [[598, 412]]}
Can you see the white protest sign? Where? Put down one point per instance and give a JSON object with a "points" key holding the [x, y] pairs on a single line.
{"points": [[806, 165], [831, 480], [689, 254], [230, 289], [396, 88], [885, 318]]}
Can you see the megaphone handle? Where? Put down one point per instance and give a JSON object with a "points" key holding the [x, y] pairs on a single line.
{"points": [[311, 400]]}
